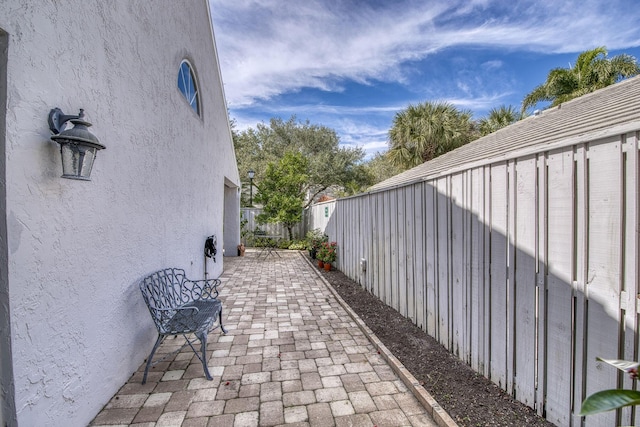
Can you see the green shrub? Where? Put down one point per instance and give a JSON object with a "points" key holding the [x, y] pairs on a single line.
{"points": [[261, 242], [298, 245], [315, 238], [283, 244]]}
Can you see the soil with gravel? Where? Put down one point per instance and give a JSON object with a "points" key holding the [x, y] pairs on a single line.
{"points": [[469, 398]]}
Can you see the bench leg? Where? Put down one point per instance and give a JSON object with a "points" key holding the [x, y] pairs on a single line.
{"points": [[220, 320], [202, 336], [150, 358]]}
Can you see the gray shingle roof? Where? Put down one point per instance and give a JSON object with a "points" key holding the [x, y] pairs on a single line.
{"points": [[609, 111]]}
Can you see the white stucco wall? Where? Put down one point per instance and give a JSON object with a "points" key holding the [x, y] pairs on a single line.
{"points": [[79, 327]]}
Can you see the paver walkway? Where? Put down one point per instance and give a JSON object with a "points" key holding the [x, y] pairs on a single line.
{"points": [[293, 356]]}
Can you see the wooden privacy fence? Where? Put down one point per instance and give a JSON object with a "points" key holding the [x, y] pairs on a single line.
{"points": [[315, 216], [526, 269], [249, 214]]}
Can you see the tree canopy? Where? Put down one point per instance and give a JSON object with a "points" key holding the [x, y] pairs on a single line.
{"points": [[593, 70], [282, 191], [328, 164], [498, 118], [380, 167], [424, 131]]}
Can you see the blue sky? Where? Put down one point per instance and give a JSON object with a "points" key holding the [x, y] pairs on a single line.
{"points": [[352, 65]]}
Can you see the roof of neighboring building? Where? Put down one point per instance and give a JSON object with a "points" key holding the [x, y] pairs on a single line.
{"points": [[325, 198], [610, 111]]}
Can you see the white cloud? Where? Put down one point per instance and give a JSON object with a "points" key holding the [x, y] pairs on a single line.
{"points": [[307, 44], [492, 65], [271, 47], [481, 103], [371, 139]]}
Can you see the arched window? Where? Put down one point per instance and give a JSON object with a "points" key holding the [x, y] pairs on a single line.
{"points": [[188, 87]]}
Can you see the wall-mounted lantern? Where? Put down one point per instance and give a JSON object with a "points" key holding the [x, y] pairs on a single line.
{"points": [[78, 146]]}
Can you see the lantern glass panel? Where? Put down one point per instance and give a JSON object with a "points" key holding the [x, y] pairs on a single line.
{"points": [[77, 161]]}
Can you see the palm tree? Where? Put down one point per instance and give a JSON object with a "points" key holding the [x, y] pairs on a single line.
{"points": [[427, 130], [592, 71], [498, 118]]}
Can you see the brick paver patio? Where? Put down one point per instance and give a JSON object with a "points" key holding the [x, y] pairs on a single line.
{"points": [[293, 356]]}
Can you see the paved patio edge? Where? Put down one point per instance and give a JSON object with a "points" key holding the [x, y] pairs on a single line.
{"points": [[440, 416]]}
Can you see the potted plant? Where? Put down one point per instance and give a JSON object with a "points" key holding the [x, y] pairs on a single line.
{"points": [[328, 253], [314, 239]]}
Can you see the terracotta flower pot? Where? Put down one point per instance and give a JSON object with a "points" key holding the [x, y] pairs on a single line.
{"points": [[320, 264], [327, 266]]}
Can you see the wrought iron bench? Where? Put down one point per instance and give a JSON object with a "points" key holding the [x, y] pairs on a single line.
{"points": [[182, 306]]}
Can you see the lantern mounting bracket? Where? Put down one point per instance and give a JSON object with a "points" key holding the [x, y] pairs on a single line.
{"points": [[57, 119]]}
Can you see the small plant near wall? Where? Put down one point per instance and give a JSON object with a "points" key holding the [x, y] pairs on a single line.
{"points": [[609, 400], [314, 240], [328, 252]]}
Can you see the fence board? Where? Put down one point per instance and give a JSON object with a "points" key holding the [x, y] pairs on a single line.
{"points": [[467, 242], [476, 308], [346, 225], [393, 246], [372, 256], [389, 259], [431, 219], [559, 303], [401, 245], [354, 237], [486, 218], [510, 301], [498, 272], [603, 269], [525, 281], [579, 278], [381, 256], [458, 301], [631, 250], [420, 280], [410, 236], [443, 230], [630, 247], [542, 228], [364, 238]]}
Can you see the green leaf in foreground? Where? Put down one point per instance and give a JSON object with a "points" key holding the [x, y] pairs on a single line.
{"points": [[608, 400]]}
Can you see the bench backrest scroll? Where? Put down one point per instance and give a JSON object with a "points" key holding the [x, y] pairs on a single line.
{"points": [[162, 292]]}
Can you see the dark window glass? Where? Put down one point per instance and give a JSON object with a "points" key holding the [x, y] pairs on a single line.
{"points": [[187, 85]]}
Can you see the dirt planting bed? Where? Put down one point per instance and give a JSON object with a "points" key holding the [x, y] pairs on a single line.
{"points": [[469, 398]]}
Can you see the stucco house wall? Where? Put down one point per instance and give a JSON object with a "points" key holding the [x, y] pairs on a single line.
{"points": [[75, 327]]}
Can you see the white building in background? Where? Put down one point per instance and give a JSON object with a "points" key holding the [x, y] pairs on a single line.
{"points": [[73, 326]]}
